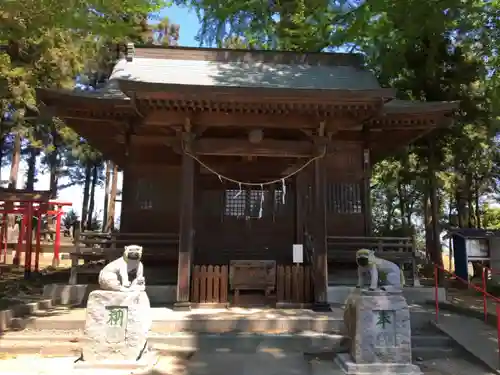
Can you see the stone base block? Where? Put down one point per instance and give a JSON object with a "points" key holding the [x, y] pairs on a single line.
{"points": [[116, 326], [351, 368], [143, 366]]}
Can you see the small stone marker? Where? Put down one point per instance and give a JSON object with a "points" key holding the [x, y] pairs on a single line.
{"points": [[385, 324], [118, 320], [117, 323], [378, 323], [117, 326]]}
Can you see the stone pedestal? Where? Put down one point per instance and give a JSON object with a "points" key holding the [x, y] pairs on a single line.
{"points": [[116, 331], [378, 324]]}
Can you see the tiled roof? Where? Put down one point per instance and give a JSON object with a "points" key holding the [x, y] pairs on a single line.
{"points": [[245, 74], [475, 232], [397, 106]]}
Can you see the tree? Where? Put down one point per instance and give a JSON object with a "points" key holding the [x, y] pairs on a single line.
{"points": [[447, 50], [110, 18]]}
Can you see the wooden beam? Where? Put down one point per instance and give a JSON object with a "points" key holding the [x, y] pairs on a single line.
{"points": [[14, 195], [242, 120], [186, 232], [320, 255], [266, 148], [148, 140]]}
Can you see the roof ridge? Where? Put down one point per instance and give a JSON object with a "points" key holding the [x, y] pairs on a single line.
{"points": [[238, 55]]}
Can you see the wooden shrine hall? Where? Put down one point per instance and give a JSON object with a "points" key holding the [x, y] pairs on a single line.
{"points": [[231, 157]]}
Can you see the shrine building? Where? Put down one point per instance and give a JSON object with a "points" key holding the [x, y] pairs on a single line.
{"points": [[232, 157]]}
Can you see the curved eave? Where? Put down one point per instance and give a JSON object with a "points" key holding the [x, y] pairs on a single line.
{"points": [[404, 123], [423, 115], [54, 97], [406, 107], [199, 92]]}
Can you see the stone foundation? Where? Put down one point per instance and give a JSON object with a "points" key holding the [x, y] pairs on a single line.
{"points": [[378, 324], [116, 327]]}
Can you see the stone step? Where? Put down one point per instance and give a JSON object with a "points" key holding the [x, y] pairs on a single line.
{"points": [[429, 353], [48, 343], [10, 317], [270, 326], [60, 342], [431, 341], [166, 321]]}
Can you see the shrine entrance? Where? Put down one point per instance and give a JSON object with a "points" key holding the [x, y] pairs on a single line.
{"points": [[251, 230]]}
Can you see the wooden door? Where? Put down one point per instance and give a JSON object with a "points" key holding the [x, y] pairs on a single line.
{"points": [[246, 224]]}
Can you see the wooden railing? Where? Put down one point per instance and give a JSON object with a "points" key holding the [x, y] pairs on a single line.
{"points": [[96, 249], [400, 250], [390, 248], [210, 284], [119, 240], [294, 284]]}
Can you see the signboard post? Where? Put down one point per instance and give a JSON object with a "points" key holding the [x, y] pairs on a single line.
{"points": [[298, 253]]}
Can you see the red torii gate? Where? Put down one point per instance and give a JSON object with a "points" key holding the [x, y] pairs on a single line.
{"points": [[30, 204]]}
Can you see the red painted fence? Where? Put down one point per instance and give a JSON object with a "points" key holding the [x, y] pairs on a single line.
{"points": [[481, 289]]}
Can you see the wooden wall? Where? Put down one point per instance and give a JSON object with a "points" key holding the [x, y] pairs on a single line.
{"points": [[151, 199], [344, 193], [231, 226], [228, 225]]}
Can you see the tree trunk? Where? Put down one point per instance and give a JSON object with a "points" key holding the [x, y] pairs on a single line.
{"points": [[16, 161], [470, 202], [110, 221], [427, 224], [54, 164], [402, 205], [477, 206], [390, 208], [14, 172], [90, 218], [436, 255], [107, 183], [2, 144], [31, 173], [86, 192]]}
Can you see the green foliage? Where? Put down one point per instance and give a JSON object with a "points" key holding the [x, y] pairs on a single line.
{"points": [[44, 44], [431, 51], [69, 219], [491, 217]]}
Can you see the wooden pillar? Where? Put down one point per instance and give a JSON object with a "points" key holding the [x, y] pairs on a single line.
{"points": [[186, 228], [366, 192], [126, 178], [300, 185], [320, 263]]}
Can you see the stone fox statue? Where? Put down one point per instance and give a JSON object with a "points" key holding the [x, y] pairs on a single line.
{"points": [[115, 275], [388, 273]]}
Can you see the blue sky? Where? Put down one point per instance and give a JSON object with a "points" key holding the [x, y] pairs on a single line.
{"points": [[188, 22]]}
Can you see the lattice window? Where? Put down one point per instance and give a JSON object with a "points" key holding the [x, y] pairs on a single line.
{"points": [[144, 194], [281, 200], [344, 198], [254, 203], [244, 203], [235, 203]]}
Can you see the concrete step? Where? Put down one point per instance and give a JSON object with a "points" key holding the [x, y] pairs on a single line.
{"points": [[429, 353], [166, 321], [431, 341], [270, 326], [68, 344], [10, 317]]}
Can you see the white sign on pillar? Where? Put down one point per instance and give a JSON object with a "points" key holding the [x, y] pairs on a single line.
{"points": [[298, 253]]}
